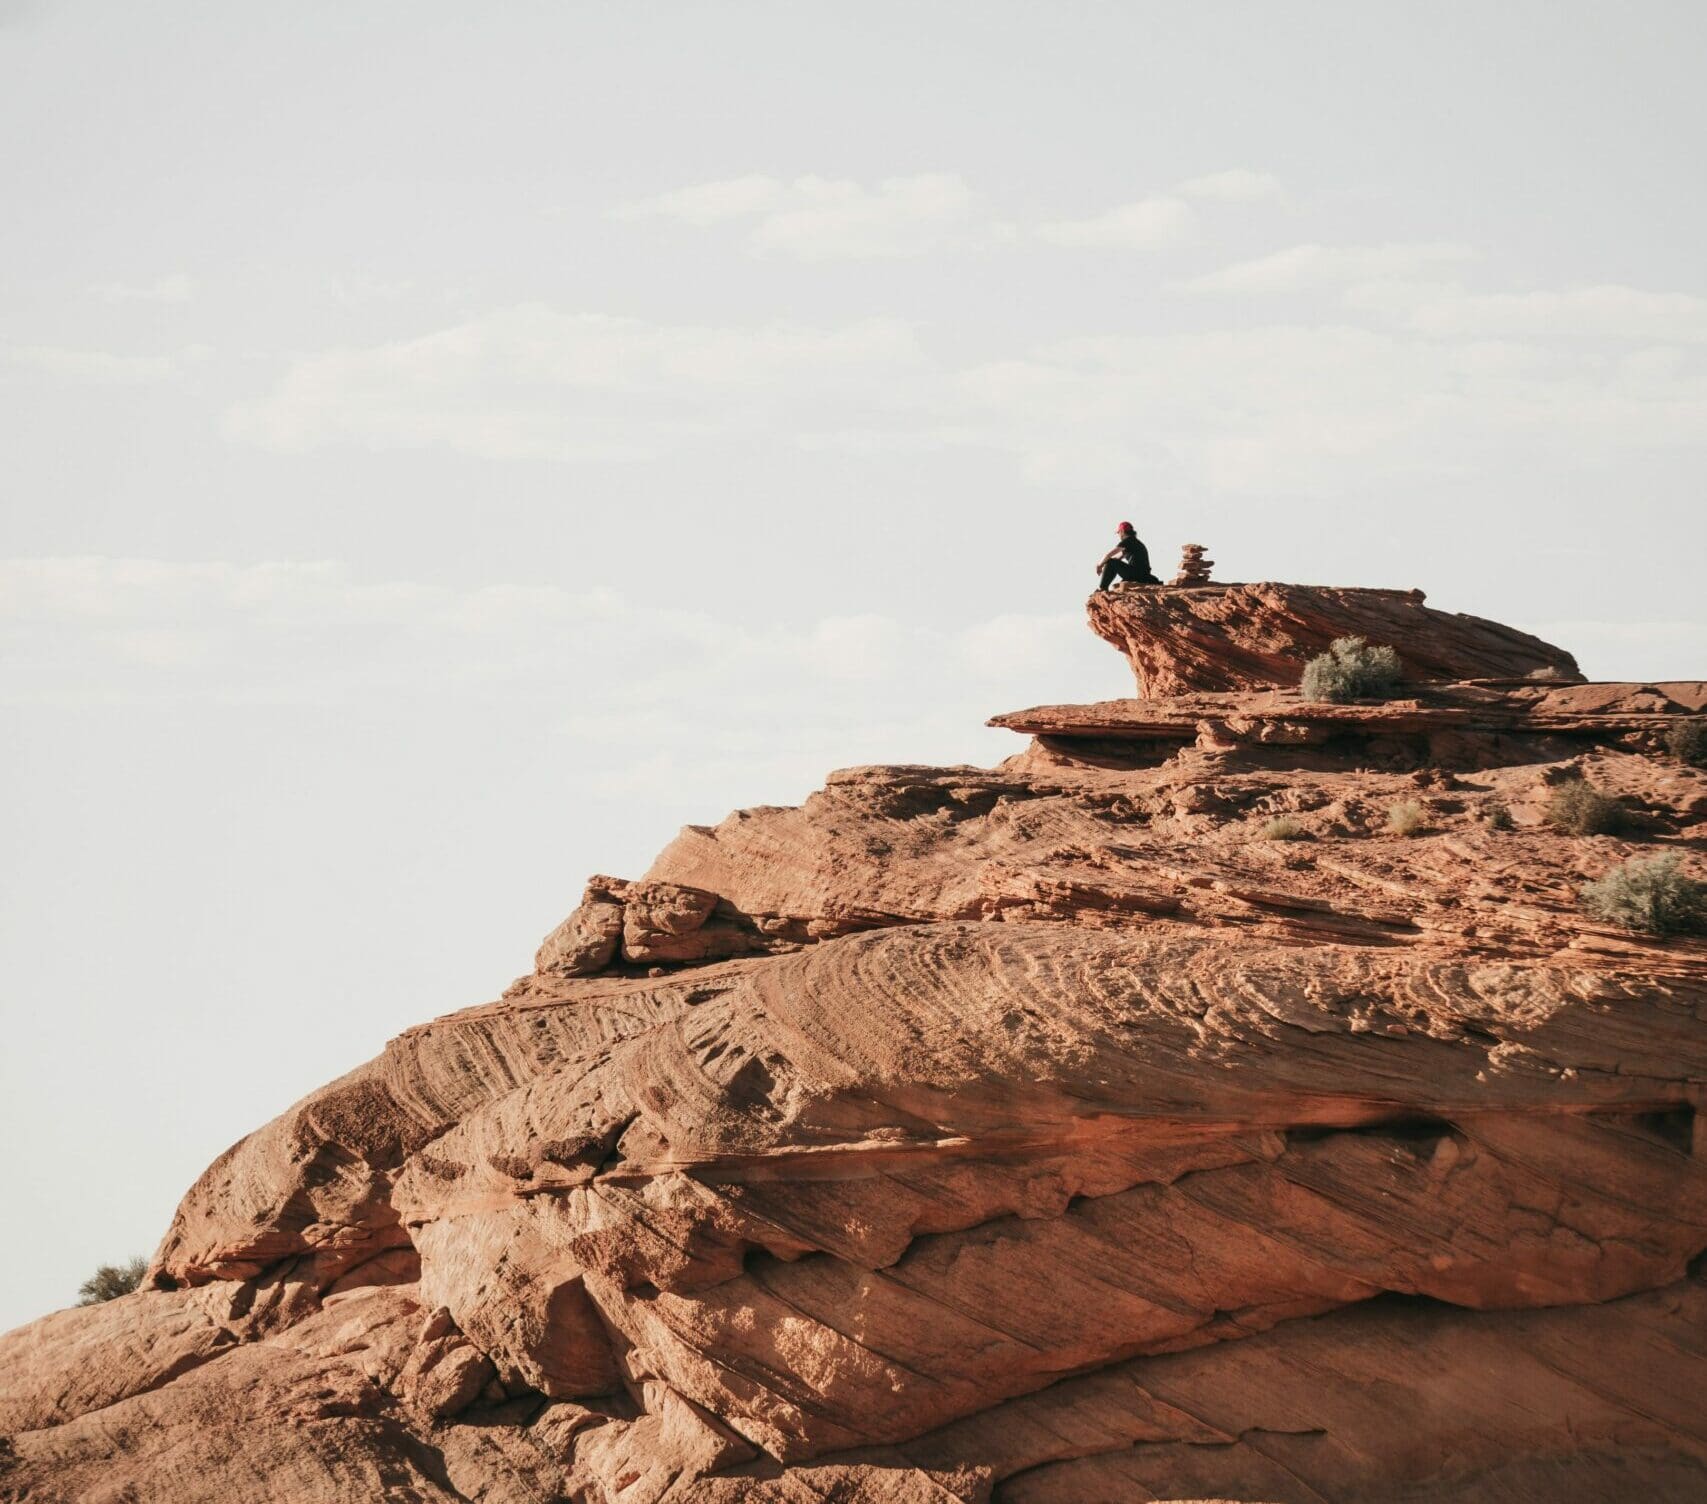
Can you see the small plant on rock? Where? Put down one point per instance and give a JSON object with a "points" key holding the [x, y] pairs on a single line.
{"points": [[1352, 670], [1283, 828], [1580, 809], [110, 1281], [1687, 742], [1406, 818], [1497, 817], [1653, 895]]}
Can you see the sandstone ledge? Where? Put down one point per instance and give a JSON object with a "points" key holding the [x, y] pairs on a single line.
{"points": [[1230, 638], [1614, 714]]}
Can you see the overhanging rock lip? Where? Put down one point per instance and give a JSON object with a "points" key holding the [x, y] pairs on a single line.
{"points": [[1253, 637], [1473, 705]]}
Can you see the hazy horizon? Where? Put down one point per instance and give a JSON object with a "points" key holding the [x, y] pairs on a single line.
{"points": [[447, 452]]}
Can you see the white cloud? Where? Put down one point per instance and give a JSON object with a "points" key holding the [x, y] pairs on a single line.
{"points": [[108, 630], [176, 288], [155, 592], [359, 289], [1144, 225], [1605, 312], [1244, 411], [708, 203], [1324, 409], [1161, 219], [820, 219], [1320, 410], [1031, 644], [824, 219], [858, 647], [94, 367], [1238, 185], [1303, 267], [535, 382]]}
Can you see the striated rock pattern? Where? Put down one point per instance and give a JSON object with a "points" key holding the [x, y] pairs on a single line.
{"points": [[1220, 638], [1041, 1134]]}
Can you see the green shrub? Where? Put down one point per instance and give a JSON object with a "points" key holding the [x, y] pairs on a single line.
{"points": [[1580, 809], [1406, 817], [112, 1280], [1687, 742], [1352, 670], [1283, 828], [1652, 895], [1497, 817]]}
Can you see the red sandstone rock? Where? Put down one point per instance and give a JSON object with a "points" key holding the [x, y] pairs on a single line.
{"points": [[587, 941], [642, 924], [1038, 1134], [1253, 637]]}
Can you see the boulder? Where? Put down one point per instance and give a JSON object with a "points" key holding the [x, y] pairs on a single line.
{"points": [[1254, 637]]}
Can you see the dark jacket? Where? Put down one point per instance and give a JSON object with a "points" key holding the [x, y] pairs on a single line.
{"points": [[1138, 557]]}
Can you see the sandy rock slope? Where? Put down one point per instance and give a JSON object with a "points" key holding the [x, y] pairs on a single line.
{"points": [[1048, 1133]]}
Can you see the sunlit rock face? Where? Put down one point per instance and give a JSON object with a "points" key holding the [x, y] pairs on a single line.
{"points": [[1064, 1131], [1254, 637]]}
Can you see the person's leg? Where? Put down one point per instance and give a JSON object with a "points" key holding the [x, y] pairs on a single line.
{"points": [[1116, 567]]}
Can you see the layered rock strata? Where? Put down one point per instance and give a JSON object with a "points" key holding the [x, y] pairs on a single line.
{"points": [[1044, 1133], [1240, 638]]}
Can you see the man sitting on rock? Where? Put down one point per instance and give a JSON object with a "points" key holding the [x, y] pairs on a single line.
{"points": [[1128, 560]]}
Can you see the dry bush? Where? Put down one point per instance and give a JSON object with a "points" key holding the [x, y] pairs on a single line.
{"points": [[1497, 817], [1406, 818], [1653, 895], [110, 1281], [1283, 828], [1352, 670], [1580, 809], [1687, 742]]}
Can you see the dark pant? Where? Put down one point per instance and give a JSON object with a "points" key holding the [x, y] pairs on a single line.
{"points": [[1126, 570]]}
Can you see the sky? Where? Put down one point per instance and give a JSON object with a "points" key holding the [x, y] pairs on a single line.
{"points": [[446, 448]]}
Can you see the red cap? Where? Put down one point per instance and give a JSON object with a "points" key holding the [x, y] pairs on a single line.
{"points": [[1126, 527]]}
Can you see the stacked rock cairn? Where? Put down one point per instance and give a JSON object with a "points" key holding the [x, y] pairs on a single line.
{"points": [[1193, 567]]}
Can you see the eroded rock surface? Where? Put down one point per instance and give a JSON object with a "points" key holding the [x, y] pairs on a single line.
{"points": [[1044, 1133], [1250, 637]]}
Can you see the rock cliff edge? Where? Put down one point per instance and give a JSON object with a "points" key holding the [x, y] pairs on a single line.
{"points": [[1046, 1133], [1245, 637]]}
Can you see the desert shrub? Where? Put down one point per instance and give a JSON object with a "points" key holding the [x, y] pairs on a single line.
{"points": [[1653, 895], [110, 1281], [1497, 817], [1406, 817], [1687, 742], [1352, 670], [1580, 809], [1283, 828]]}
